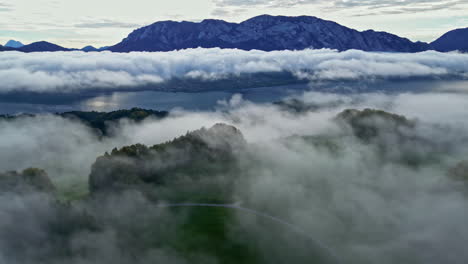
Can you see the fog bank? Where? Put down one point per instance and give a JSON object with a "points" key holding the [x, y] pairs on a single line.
{"points": [[78, 71], [368, 208]]}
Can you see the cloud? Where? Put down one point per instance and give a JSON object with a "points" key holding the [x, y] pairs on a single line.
{"points": [[222, 12], [32, 141], [365, 210], [377, 6], [371, 4], [5, 7], [405, 7], [79, 71], [106, 23], [263, 2]]}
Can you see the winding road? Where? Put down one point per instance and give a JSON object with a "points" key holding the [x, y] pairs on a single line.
{"points": [[261, 214]]}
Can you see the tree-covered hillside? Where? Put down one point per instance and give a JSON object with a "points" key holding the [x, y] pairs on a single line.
{"points": [[100, 121], [148, 204]]}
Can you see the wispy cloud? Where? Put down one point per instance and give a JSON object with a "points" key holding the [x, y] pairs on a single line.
{"points": [[106, 23], [377, 6], [389, 3], [5, 7], [263, 2], [223, 12], [405, 7]]}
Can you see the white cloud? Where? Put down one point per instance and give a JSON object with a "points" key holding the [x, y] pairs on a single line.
{"points": [[77, 71], [105, 23], [386, 212], [404, 6]]}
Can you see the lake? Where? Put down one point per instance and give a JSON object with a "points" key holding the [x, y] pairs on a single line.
{"points": [[109, 101]]}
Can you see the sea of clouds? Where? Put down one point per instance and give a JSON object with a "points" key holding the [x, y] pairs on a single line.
{"points": [[78, 71], [365, 211]]}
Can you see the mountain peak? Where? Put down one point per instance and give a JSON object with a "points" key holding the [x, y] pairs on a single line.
{"points": [[266, 17], [213, 21], [453, 40], [14, 44], [41, 46], [89, 48]]}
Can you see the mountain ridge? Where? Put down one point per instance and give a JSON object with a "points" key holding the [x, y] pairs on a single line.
{"points": [[42, 46], [456, 39], [264, 32]]}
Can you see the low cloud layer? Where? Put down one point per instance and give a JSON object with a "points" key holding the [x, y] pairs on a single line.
{"points": [[67, 148], [78, 71], [365, 210]]}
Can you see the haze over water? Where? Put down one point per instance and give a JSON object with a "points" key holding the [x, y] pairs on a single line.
{"points": [[164, 101]]}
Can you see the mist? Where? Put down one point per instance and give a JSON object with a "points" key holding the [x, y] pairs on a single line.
{"points": [[64, 72], [365, 208]]}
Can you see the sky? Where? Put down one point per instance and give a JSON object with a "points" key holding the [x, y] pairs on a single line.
{"points": [[75, 24]]}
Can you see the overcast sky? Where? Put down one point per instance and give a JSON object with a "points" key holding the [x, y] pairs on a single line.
{"points": [[75, 24]]}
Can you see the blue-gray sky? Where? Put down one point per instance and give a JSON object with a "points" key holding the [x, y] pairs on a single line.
{"points": [[105, 22]]}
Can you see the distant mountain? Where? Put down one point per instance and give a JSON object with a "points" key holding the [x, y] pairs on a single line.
{"points": [[3, 48], [101, 121], [89, 49], [41, 47], [262, 33], [14, 44], [92, 48], [453, 40], [265, 33]]}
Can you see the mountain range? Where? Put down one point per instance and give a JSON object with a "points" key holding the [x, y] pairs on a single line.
{"points": [[91, 48], [262, 33], [265, 33]]}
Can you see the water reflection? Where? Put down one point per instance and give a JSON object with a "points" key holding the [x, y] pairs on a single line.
{"points": [[27, 103], [143, 99]]}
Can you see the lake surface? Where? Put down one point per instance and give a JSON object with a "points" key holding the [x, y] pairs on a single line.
{"points": [[37, 103], [25, 103]]}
